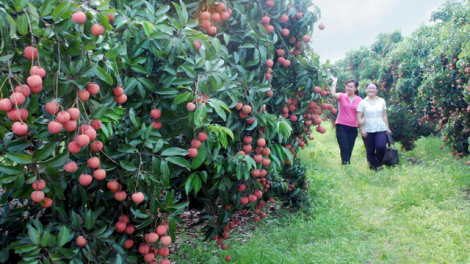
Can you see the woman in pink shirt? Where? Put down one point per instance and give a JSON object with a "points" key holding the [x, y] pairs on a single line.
{"points": [[346, 123]]}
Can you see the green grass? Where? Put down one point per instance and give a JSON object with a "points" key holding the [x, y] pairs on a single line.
{"points": [[413, 213]]}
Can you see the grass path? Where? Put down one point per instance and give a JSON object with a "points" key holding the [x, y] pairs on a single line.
{"points": [[414, 213]]}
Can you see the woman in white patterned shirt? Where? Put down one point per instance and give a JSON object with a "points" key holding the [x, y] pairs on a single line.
{"points": [[373, 122]]}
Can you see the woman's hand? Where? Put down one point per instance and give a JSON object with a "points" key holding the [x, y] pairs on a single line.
{"points": [[363, 133], [361, 122], [389, 131], [335, 80]]}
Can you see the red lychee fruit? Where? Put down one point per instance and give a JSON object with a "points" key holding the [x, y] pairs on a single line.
{"points": [[36, 70], [96, 124], [165, 240], [99, 174], [192, 152], [20, 128], [205, 15], [79, 17], [81, 241], [94, 162], [120, 196], [156, 113], [120, 99], [34, 81], [96, 146], [93, 88], [220, 7], [83, 95], [24, 89], [110, 17], [30, 53], [54, 127], [83, 140], [85, 179], [17, 98], [224, 16], [202, 136], [161, 230], [71, 167], [73, 147], [47, 202], [63, 117], [71, 125], [118, 91], [113, 186], [5, 104], [212, 30], [138, 197], [51, 107], [215, 17], [191, 107], [37, 196], [97, 29]]}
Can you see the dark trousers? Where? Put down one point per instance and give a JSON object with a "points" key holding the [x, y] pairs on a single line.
{"points": [[346, 137], [375, 147]]}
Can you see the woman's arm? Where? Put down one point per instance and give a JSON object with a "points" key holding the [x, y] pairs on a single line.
{"points": [[385, 118], [362, 130], [334, 94]]}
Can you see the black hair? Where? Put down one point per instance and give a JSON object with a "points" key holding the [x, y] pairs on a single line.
{"points": [[376, 85], [356, 84]]}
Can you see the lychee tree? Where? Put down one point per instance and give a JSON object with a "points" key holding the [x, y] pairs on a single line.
{"points": [[116, 116]]}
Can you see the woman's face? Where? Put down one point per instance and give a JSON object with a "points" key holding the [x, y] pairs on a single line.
{"points": [[350, 88], [372, 89]]}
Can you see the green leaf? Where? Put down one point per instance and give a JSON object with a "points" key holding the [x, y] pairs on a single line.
{"points": [[175, 152], [179, 161], [135, 120], [58, 160], [182, 13], [197, 183], [4, 31], [61, 9], [11, 170], [89, 221], [99, 111], [127, 165], [218, 110], [33, 234], [138, 214], [47, 7], [46, 237], [20, 4], [19, 158], [103, 75], [165, 173], [45, 152], [125, 148], [64, 235], [6, 57], [200, 158], [188, 186], [216, 44], [148, 28], [114, 52], [183, 97], [200, 115], [22, 25]]}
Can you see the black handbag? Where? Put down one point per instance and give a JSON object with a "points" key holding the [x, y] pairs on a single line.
{"points": [[391, 153]]}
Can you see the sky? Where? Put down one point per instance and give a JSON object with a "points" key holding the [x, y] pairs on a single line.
{"points": [[353, 23]]}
